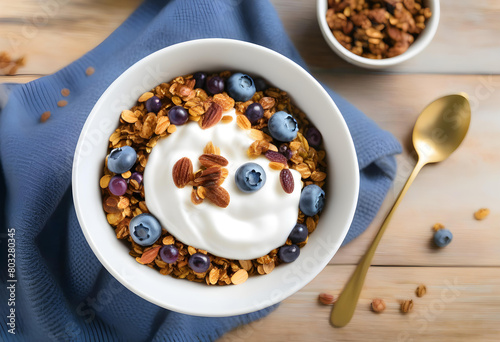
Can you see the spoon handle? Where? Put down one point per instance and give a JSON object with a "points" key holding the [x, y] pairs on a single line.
{"points": [[344, 307]]}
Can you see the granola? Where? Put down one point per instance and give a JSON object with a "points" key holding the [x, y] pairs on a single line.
{"points": [[377, 29], [141, 128]]}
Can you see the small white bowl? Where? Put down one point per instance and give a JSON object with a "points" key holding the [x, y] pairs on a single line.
{"points": [[420, 43], [258, 291]]}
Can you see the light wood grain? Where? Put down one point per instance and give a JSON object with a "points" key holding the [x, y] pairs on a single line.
{"points": [[53, 37], [448, 192], [461, 304], [54, 33]]}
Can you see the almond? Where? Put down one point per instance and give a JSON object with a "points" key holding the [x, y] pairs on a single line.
{"points": [[286, 180], [212, 174], [149, 255], [212, 116], [267, 102], [209, 160], [182, 172], [218, 196], [326, 298]]}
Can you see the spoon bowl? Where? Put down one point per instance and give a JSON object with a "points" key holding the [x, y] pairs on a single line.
{"points": [[439, 130], [441, 127]]}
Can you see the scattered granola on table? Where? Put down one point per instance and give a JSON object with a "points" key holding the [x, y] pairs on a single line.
{"points": [[421, 290], [481, 214], [406, 306], [326, 299], [378, 305], [377, 29], [8, 65], [288, 149]]}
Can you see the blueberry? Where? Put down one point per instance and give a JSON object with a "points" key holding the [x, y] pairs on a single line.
{"points": [[313, 136], [153, 104], [283, 126], [240, 87], [199, 262], [260, 84], [215, 85], [200, 78], [254, 112], [285, 150], [137, 176], [442, 237], [250, 177], [121, 159], [299, 233], [178, 115], [312, 200], [117, 186], [144, 229], [289, 253], [169, 254]]}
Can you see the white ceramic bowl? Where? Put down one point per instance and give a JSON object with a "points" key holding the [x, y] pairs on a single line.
{"points": [[420, 43], [259, 291]]}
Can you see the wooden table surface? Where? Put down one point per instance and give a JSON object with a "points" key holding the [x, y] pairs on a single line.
{"points": [[463, 279]]}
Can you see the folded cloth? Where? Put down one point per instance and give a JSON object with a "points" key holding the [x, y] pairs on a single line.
{"points": [[63, 293]]}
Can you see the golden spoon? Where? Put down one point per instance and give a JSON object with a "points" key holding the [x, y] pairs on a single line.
{"points": [[438, 132]]}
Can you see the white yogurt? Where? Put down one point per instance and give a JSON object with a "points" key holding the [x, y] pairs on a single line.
{"points": [[253, 223]]}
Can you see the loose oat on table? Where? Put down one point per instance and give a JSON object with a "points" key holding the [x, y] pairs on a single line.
{"points": [[142, 130], [421, 290], [406, 306], [481, 214], [9, 65], [437, 226], [377, 29]]}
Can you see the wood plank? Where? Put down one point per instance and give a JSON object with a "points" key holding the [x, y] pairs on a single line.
{"points": [[54, 33], [448, 192], [461, 304], [53, 40]]}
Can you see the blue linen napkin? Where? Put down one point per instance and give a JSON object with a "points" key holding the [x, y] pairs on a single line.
{"points": [[63, 293]]}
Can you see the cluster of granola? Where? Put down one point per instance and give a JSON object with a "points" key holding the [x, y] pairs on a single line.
{"points": [[377, 28], [141, 129], [9, 65]]}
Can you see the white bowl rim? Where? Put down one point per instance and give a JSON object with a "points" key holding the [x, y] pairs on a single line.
{"points": [[418, 46], [77, 188]]}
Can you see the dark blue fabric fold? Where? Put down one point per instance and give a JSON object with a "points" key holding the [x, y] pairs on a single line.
{"points": [[63, 293]]}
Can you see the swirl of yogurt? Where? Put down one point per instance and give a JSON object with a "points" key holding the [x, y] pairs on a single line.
{"points": [[251, 226]]}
